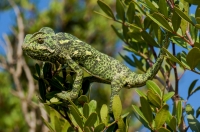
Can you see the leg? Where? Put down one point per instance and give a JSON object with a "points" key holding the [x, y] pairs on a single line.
{"points": [[116, 86], [73, 94]]}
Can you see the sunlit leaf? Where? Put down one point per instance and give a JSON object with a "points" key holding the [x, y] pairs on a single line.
{"points": [[179, 112], [193, 58], [117, 107], [161, 21], [151, 85], [168, 96], [161, 116]]}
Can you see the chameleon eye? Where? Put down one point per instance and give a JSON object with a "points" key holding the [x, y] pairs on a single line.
{"points": [[40, 40]]}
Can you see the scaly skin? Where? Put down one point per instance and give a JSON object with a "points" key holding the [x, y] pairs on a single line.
{"points": [[45, 45]]}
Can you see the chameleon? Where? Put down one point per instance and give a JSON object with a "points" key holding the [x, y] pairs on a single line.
{"points": [[46, 45]]}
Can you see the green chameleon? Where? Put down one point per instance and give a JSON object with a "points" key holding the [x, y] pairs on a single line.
{"points": [[65, 48]]}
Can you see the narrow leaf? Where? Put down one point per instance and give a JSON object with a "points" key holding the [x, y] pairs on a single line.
{"points": [[183, 15], [120, 10], [154, 99], [189, 109], [176, 21], [191, 88], [104, 114], [161, 116], [163, 129], [172, 124], [106, 8], [140, 93], [161, 21], [173, 58], [99, 128], [117, 107], [146, 110], [179, 111], [163, 7], [131, 12], [151, 85], [168, 96], [193, 57], [148, 38], [86, 110], [76, 116], [193, 123], [91, 120]]}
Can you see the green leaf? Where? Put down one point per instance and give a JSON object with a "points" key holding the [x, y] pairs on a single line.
{"points": [[48, 125], [151, 6], [183, 15], [179, 111], [99, 128], [140, 93], [87, 129], [173, 58], [194, 2], [37, 67], [189, 109], [76, 116], [161, 116], [83, 99], [120, 10], [179, 41], [191, 88], [168, 96], [176, 21], [117, 107], [193, 123], [86, 110], [104, 114], [121, 125], [163, 7], [118, 33], [197, 12], [193, 57], [106, 9], [131, 12], [146, 110], [172, 123], [197, 112], [154, 99], [92, 105], [152, 86], [163, 129], [141, 117], [161, 21], [197, 26], [148, 38], [91, 120], [198, 20]]}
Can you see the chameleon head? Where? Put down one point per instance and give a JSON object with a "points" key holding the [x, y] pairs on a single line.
{"points": [[41, 45]]}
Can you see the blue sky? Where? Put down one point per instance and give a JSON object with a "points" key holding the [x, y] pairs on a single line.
{"points": [[7, 20]]}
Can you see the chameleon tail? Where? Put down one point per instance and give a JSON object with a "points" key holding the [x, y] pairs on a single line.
{"points": [[138, 80]]}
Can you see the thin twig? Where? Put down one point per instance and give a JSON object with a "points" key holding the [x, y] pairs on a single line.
{"points": [[175, 70]]}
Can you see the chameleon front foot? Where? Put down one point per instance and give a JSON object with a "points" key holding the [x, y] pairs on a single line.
{"points": [[67, 95]]}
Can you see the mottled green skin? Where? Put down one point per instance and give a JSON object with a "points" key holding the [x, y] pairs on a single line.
{"points": [[45, 45]]}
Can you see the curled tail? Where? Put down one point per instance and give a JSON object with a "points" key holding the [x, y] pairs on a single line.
{"points": [[138, 80]]}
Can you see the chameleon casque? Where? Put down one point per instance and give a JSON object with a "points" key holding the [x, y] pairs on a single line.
{"points": [[65, 48]]}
